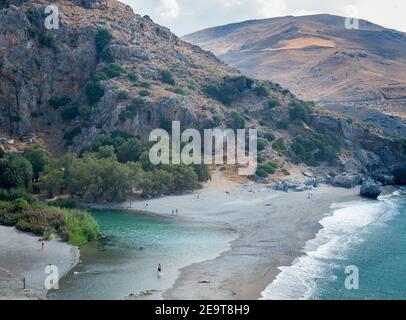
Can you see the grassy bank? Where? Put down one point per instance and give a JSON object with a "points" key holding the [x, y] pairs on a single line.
{"points": [[77, 227]]}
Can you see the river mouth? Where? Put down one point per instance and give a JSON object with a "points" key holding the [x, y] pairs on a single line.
{"points": [[126, 262]]}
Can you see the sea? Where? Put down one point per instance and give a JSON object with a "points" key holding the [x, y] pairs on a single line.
{"points": [[359, 254]]}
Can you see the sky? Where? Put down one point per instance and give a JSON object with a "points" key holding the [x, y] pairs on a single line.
{"points": [[186, 16]]}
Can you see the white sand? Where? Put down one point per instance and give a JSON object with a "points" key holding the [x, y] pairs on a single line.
{"points": [[21, 256], [273, 228]]}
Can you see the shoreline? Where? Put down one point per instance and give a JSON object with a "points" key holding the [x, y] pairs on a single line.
{"points": [[21, 257], [272, 228]]}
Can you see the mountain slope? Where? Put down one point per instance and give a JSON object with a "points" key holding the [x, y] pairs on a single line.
{"points": [[357, 72], [107, 70]]}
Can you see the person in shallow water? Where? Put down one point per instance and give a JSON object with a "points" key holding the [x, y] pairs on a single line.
{"points": [[159, 270]]}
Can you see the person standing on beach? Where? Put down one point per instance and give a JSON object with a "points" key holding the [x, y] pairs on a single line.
{"points": [[159, 270], [42, 245]]}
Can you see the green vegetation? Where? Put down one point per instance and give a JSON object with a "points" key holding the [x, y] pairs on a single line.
{"points": [[273, 103], [123, 95], [20, 208], [59, 102], [299, 111], [39, 158], [132, 77], [76, 227], [238, 121], [131, 111], [15, 172], [113, 70], [279, 146], [311, 150], [231, 90], [144, 93], [261, 91], [269, 136], [94, 92], [267, 169], [262, 144], [70, 135], [70, 112], [281, 125], [180, 91], [167, 77], [103, 37], [47, 41]]}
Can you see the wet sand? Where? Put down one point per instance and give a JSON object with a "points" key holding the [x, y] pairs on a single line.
{"points": [[273, 228], [21, 257]]}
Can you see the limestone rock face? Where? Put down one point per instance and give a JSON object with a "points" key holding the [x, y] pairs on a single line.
{"points": [[349, 180], [370, 189]]}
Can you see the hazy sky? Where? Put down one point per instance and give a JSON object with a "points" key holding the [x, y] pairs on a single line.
{"points": [[186, 16]]}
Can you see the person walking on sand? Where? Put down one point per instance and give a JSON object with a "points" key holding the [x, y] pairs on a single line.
{"points": [[42, 245]]}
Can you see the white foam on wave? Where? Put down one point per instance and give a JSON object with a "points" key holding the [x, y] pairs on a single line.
{"points": [[340, 232]]}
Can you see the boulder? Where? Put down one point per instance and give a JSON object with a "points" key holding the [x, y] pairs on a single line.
{"points": [[370, 189], [385, 179], [349, 180]]}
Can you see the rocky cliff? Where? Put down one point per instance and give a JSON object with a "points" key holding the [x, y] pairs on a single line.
{"points": [[106, 69]]}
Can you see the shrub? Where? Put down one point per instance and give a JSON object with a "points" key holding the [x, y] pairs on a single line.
{"points": [[238, 121], [285, 92], [269, 136], [230, 90], [261, 144], [47, 41], [261, 91], [20, 204], [311, 150], [273, 103], [261, 173], [123, 95], [59, 102], [65, 203], [299, 112], [70, 112], [113, 70], [132, 77], [146, 85], [180, 91], [281, 125], [100, 76], [167, 77], [70, 135], [94, 92], [102, 39], [144, 93], [279, 145]]}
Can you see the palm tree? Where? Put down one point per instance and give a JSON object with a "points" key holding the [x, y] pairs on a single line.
{"points": [[15, 171]]}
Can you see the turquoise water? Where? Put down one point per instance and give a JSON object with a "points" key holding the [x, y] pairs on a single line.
{"points": [[370, 235], [127, 261]]}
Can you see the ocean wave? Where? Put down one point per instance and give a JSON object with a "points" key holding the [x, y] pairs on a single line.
{"points": [[341, 231]]}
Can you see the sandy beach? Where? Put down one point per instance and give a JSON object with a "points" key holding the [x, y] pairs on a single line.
{"points": [[273, 228], [21, 257]]}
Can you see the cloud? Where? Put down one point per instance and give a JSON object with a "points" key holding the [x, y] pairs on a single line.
{"points": [[169, 9], [186, 16]]}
